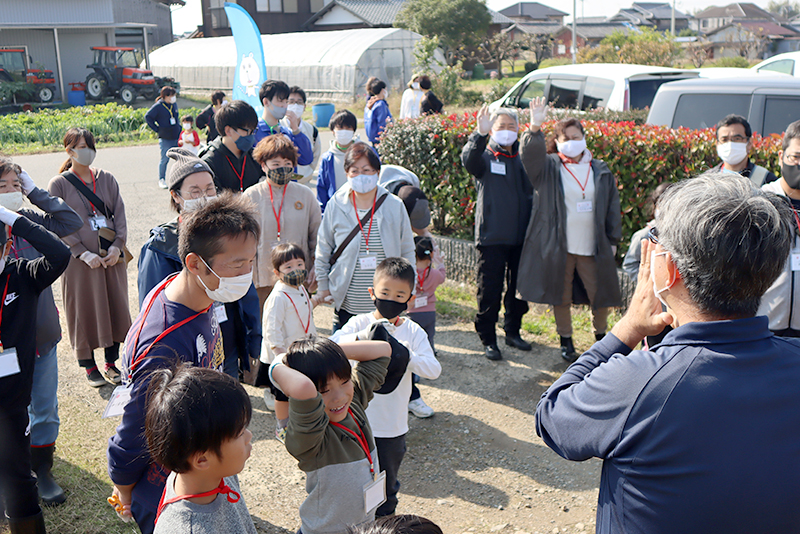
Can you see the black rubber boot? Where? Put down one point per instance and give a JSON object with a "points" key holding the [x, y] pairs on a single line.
{"points": [[29, 525], [567, 349], [42, 464]]}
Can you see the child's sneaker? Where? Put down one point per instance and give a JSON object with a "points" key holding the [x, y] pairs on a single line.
{"points": [[96, 380], [112, 373], [280, 434], [420, 409], [269, 400]]}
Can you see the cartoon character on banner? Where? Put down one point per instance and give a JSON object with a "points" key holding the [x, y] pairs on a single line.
{"points": [[249, 75]]}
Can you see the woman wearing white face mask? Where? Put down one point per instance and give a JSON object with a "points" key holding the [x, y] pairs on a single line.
{"points": [[410, 103], [345, 265], [95, 285], [191, 185], [574, 229], [163, 118]]}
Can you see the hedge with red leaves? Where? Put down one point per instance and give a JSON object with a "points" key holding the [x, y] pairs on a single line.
{"points": [[640, 156]]}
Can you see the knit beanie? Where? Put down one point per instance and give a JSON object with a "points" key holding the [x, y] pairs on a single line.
{"points": [[186, 164]]}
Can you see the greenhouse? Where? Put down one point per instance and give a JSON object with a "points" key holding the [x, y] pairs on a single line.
{"points": [[328, 65]]}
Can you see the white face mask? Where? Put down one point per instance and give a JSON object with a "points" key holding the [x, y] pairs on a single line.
{"points": [[415, 85], [297, 109], [732, 153], [364, 183], [572, 149], [504, 137], [171, 99], [343, 137], [657, 291], [11, 201], [230, 288], [194, 204], [187, 126]]}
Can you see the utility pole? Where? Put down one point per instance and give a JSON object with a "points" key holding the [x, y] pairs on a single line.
{"points": [[574, 46], [672, 20]]}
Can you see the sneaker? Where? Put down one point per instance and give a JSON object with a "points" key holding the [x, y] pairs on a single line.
{"points": [[420, 409], [269, 400], [280, 435], [112, 374], [162, 184], [568, 349], [96, 380]]}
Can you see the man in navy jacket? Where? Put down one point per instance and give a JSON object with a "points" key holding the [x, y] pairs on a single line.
{"points": [[702, 432]]}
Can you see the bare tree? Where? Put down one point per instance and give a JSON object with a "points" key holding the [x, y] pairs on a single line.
{"points": [[698, 52], [498, 48]]}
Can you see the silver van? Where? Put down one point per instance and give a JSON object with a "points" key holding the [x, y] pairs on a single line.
{"points": [[769, 103]]}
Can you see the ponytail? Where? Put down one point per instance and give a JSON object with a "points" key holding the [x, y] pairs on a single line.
{"points": [[67, 165]]}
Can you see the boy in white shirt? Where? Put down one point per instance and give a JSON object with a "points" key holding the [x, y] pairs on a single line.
{"points": [[393, 284], [297, 105]]}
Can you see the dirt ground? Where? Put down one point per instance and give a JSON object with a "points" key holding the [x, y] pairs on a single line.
{"points": [[477, 466]]}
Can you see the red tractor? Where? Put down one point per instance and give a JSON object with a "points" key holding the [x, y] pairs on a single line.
{"points": [[14, 67], [117, 73]]}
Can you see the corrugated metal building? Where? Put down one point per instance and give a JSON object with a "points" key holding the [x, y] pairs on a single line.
{"points": [[59, 33]]}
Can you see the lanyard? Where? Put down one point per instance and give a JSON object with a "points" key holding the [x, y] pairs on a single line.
{"points": [[308, 324], [94, 190], [3, 304], [160, 336], [585, 183], [796, 218], [240, 176], [233, 497], [360, 438], [498, 154], [278, 214], [372, 216], [421, 279], [169, 108]]}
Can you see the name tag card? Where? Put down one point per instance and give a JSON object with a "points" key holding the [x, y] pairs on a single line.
{"points": [[172, 120], [9, 362], [220, 312], [796, 261], [585, 207], [97, 222], [421, 301], [368, 262], [375, 493], [116, 404], [498, 168]]}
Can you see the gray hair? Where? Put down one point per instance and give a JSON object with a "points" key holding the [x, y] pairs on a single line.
{"points": [[728, 239], [503, 111]]}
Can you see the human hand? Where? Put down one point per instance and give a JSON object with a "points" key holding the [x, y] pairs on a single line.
{"points": [[538, 110], [121, 501], [27, 183], [372, 100], [91, 259], [8, 217], [294, 121], [644, 316], [112, 258], [483, 120]]}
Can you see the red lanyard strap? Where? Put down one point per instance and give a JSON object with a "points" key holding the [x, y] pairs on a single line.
{"points": [[371, 217], [585, 183], [240, 176], [498, 154], [360, 438], [308, 322], [3, 304], [280, 210], [160, 336], [233, 496], [421, 279]]}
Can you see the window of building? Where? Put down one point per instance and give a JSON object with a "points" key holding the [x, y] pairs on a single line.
{"points": [[216, 9], [562, 49]]}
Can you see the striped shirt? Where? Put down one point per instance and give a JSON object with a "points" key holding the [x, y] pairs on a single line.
{"points": [[357, 299]]}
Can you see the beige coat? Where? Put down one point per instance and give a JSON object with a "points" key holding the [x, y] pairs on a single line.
{"points": [[299, 221], [95, 300]]}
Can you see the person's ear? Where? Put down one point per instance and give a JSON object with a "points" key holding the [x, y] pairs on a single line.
{"points": [[672, 270], [194, 264], [749, 144], [176, 197], [200, 461], [371, 292], [411, 301], [780, 156], [277, 272]]}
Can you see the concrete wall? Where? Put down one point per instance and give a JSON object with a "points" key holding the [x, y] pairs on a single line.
{"points": [[145, 11]]}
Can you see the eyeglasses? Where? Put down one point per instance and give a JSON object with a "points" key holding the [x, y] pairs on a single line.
{"points": [[652, 235], [196, 192], [794, 159]]}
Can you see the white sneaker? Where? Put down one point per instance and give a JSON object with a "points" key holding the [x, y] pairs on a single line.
{"points": [[269, 400], [162, 184], [420, 409]]}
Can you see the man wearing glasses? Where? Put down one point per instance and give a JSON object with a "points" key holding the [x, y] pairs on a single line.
{"points": [[733, 148], [702, 432], [781, 302]]}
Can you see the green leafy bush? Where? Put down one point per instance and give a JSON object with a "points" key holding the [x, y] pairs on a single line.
{"points": [[640, 156], [738, 62], [497, 91], [45, 129], [529, 66], [555, 62]]}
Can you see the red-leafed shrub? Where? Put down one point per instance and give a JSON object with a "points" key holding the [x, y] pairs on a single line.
{"points": [[640, 156]]}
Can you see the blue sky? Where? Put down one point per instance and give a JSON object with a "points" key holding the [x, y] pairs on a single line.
{"points": [[187, 18]]}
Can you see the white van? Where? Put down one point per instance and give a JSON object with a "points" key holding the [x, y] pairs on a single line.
{"points": [[592, 85], [788, 63]]}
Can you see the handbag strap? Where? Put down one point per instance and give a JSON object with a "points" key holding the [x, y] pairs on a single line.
{"points": [[88, 193], [356, 229]]}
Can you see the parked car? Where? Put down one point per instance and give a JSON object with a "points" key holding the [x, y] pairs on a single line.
{"points": [[784, 63], [735, 72], [770, 103], [592, 85]]}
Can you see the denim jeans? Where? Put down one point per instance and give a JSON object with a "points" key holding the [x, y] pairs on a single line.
{"points": [[43, 410], [164, 145]]}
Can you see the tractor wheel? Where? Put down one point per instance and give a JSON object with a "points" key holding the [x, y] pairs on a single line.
{"points": [[95, 87], [127, 94], [45, 94]]}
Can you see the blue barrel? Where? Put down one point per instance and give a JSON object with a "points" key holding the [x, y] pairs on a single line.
{"points": [[76, 98], [321, 114]]}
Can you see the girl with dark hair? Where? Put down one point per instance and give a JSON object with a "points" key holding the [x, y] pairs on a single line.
{"points": [[345, 262], [163, 118], [95, 284]]}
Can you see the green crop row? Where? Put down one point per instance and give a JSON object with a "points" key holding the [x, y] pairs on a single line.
{"points": [[44, 129]]}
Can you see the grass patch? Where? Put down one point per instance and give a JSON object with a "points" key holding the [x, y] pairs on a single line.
{"points": [[486, 84]]}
